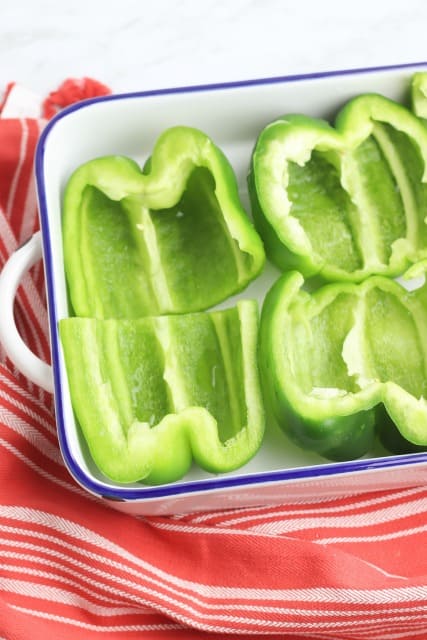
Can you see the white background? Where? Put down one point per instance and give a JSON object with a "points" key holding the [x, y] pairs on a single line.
{"points": [[135, 45]]}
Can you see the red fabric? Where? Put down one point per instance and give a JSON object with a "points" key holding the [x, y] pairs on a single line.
{"points": [[71, 568], [9, 88]]}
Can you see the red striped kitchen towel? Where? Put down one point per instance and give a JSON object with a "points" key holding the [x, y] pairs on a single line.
{"points": [[71, 568]]}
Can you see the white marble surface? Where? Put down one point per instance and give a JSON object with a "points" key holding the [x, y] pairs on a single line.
{"points": [[133, 45]]}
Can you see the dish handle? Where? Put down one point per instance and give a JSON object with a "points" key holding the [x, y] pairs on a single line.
{"points": [[23, 358]]}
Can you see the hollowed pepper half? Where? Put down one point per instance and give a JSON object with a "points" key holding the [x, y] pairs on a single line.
{"points": [[340, 363], [173, 238], [419, 94], [343, 202], [153, 394]]}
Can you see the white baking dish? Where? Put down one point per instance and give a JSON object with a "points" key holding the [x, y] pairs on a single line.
{"points": [[232, 115]]}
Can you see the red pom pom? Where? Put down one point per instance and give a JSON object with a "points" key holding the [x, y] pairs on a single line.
{"points": [[71, 91]]}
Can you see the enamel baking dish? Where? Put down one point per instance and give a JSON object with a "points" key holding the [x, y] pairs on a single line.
{"points": [[232, 115]]}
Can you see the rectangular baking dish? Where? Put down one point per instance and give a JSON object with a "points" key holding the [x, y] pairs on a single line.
{"points": [[232, 115]]}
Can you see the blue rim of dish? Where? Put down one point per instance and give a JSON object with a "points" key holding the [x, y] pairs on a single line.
{"points": [[123, 493]]}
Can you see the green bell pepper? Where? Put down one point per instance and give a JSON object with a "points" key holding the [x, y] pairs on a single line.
{"points": [[419, 94], [171, 239], [333, 361], [151, 394], [343, 202]]}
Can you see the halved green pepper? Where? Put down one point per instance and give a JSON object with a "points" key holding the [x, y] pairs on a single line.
{"points": [[343, 202], [172, 239], [419, 94], [151, 394], [333, 361]]}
